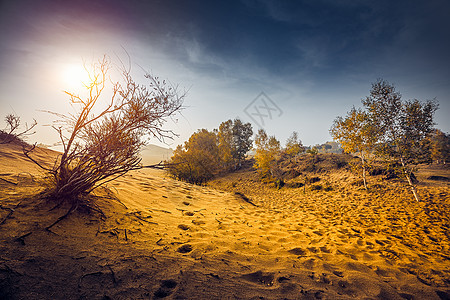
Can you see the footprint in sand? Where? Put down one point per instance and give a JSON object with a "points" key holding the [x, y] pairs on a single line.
{"points": [[297, 251], [325, 249], [183, 227], [166, 288], [260, 278], [198, 222], [312, 249], [185, 249], [338, 273]]}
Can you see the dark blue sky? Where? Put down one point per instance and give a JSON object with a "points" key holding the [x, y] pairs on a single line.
{"points": [[314, 59]]}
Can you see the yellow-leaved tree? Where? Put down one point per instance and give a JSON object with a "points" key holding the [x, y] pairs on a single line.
{"points": [[356, 134], [267, 148], [198, 160]]}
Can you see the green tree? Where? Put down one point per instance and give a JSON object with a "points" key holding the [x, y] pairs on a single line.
{"points": [[242, 142], [401, 127], [234, 141], [356, 134]]}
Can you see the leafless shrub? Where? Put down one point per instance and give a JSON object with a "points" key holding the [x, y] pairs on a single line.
{"points": [[12, 132], [101, 143]]}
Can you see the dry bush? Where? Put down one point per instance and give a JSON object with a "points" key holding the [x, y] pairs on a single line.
{"points": [[102, 141], [12, 132]]}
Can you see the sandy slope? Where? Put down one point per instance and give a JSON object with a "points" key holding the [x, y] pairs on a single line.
{"points": [[164, 238], [152, 154]]}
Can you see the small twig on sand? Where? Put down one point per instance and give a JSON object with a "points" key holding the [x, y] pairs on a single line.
{"points": [[162, 210], [21, 238], [8, 215], [11, 211], [72, 208], [142, 219], [121, 203], [113, 275], [6, 180], [126, 236], [182, 210]]}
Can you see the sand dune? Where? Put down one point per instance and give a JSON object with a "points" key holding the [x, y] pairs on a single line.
{"points": [[152, 154], [165, 238]]}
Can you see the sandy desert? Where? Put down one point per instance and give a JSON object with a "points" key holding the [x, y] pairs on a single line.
{"points": [[235, 238]]}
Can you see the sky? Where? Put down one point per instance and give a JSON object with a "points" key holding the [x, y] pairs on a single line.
{"points": [[283, 66]]}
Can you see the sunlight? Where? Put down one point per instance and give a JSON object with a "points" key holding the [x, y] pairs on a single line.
{"points": [[75, 76]]}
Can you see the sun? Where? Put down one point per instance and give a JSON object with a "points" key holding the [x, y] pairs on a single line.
{"points": [[75, 76]]}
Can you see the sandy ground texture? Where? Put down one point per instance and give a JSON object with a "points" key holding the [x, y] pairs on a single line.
{"points": [[233, 239]]}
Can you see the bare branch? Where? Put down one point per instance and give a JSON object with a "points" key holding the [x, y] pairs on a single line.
{"points": [[102, 143]]}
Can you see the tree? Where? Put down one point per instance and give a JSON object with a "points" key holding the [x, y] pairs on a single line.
{"points": [[401, 127], [233, 138], [440, 146], [225, 144], [266, 150], [293, 145], [356, 134], [198, 160], [242, 142], [102, 142], [10, 133]]}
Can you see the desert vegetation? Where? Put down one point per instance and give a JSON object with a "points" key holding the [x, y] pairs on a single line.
{"points": [[209, 153], [279, 221], [101, 141], [13, 131], [388, 134], [395, 131]]}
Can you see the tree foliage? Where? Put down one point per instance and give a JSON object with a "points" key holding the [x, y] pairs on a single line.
{"points": [[267, 149], [395, 130], [356, 134], [234, 141], [102, 140], [440, 146], [198, 160], [402, 127], [207, 154], [242, 142], [294, 145], [225, 144]]}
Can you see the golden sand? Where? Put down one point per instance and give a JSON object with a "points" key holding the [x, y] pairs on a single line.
{"points": [[165, 238]]}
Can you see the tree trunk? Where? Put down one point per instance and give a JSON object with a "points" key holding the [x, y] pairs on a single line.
{"points": [[364, 171], [408, 177]]}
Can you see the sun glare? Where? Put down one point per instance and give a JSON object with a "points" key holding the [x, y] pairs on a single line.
{"points": [[75, 76]]}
